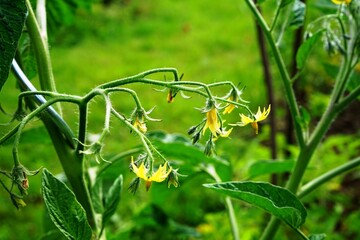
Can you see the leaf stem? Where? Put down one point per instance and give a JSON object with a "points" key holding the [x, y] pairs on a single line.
{"points": [[326, 177]]}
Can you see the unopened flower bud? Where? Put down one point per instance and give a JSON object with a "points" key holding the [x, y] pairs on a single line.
{"points": [[18, 202], [192, 130], [134, 185], [173, 179], [196, 137], [209, 148]]}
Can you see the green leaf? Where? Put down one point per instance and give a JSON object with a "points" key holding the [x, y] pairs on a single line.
{"points": [[112, 199], [320, 236], [27, 56], [12, 19], [62, 12], [265, 167], [297, 17], [64, 210], [276, 200], [52, 235], [97, 195], [188, 157], [305, 49]]}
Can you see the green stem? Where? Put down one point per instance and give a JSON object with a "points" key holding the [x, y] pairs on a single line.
{"points": [[142, 137], [286, 80], [326, 177], [41, 50], [301, 234], [276, 17], [232, 218]]}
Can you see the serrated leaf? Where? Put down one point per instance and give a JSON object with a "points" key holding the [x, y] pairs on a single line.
{"points": [[12, 19], [265, 167], [297, 17], [320, 236], [64, 210], [112, 199], [305, 49], [273, 199]]}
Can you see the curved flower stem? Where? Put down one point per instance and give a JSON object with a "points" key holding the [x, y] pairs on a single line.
{"points": [[142, 137], [30, 116], [181, 85], [127, 90]]}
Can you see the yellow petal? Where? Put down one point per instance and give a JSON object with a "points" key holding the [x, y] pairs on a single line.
{"points": [[245, 120], [229, 108], [140, 125], [161, 174], [141, 171], [341, 1], [226, 133], [260, 116], [212, 122]]}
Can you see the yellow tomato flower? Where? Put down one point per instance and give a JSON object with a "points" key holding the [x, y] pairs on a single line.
{"points": [[341, 1], [230, 107], [140, 125], [142, 172], [259, 116], [212, 121]]}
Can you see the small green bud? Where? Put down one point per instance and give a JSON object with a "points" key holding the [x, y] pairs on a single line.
{"points": [[209, 147], [134, 185], [196, 137], [192, 130], [17, 201], [173, 178]]}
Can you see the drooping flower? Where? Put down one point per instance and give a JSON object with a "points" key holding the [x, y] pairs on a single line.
{"points": [[142, 172], [259, 116], [230, 107], [140, 124], [341, 1], [212, 121]]}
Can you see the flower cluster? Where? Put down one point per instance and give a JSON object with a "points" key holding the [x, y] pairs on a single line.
{"points": [[143, 169], [213, 120]]}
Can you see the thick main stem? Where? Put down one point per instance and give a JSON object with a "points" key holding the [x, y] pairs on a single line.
{"points": [[42, 53], [289, 92]]}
